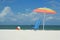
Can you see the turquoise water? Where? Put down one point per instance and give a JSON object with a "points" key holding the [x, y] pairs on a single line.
{"points": [[29, 27]]}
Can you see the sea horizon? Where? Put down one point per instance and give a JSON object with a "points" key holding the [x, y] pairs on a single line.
{"points": [[30, 27]]}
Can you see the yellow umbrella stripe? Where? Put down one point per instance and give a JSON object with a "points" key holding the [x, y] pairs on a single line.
{"points": [[45, 9]]}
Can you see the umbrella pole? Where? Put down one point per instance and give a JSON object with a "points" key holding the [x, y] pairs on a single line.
{"points": [[44, 20]]}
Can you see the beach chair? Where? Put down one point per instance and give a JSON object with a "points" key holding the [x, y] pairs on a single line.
{"points": [[37, 24]]}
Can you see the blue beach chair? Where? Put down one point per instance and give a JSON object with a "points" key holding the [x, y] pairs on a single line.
{"points": [[36, 26]]}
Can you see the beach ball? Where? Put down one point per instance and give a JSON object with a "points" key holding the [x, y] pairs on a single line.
{"points": [[18, 28]]}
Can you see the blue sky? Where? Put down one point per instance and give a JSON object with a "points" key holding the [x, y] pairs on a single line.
{"points": [[20, 12]]}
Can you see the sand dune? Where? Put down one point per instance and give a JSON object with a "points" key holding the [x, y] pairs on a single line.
{"points": [[29, 35]]}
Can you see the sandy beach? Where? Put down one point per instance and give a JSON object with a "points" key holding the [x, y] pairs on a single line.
{"points": [[29, 35]]}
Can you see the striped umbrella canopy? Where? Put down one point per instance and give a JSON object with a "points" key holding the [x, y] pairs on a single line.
{"points": [[45, 11]]}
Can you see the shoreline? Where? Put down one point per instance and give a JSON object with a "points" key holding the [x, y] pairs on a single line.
{"points": [[25, 30]]}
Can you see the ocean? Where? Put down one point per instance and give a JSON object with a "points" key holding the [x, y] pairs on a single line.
{"points": [[30, 27]]}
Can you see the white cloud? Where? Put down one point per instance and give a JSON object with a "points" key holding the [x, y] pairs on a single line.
{"points": [[29, 18], [13, 19], [8, 15], [49, 18], [55, 18], [5, 11]]}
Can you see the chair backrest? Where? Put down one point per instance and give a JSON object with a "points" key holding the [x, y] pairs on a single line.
{"points": [[36, 26]]}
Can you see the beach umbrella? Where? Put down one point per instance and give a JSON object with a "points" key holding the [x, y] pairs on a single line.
{"points": [[45, 11]]}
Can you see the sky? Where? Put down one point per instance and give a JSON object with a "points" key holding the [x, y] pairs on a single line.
{"points": [[20, 12]]}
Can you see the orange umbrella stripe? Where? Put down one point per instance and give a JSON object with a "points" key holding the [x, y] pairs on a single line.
{"points": [[44, 10]]}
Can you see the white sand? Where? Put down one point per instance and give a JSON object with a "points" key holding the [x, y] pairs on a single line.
{"points": [[29, 35]]}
